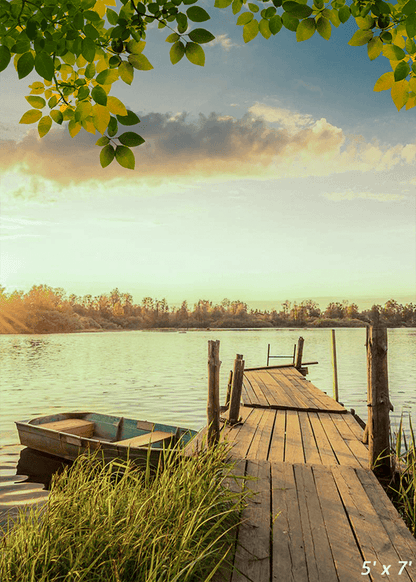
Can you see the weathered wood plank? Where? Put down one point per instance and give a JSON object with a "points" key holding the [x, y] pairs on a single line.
{"points": [[277, 444], [374, 542], [264, 395], [357, 448], [346, 554], [354, 426], [251, 395], [326, 402], [246, 433], [308, 440], [252, 557], [293, 448], [260, 444], [288, 556], [290, 394], [342, 451], [324, 447]]}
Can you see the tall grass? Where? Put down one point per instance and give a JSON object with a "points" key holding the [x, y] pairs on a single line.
{"points": [[116, 523], [403, 487]]}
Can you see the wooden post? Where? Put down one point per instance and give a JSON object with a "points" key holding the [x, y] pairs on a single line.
{"points": [[298, 363], [229, 385], [294, 354], [236, 390], [268, 354], [334, 364], [378, 400], [213, 407]]}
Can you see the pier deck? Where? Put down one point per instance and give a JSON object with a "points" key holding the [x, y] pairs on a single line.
{"points": [[317, 513]]}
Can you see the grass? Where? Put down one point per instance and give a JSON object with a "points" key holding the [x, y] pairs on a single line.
{"points": [[118, 523], [403, 488]]}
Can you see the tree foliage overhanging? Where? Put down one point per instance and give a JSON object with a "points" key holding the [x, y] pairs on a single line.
{"points": [[79, 48], [47, 310]]}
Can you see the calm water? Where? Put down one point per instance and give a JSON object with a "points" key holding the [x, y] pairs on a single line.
{"points": [[162, 376]]}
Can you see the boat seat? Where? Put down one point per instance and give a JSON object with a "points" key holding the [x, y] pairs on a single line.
{"points": [[76, 426], [143, 440]]}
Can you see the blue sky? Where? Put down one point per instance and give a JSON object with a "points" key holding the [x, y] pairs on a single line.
{"points": [[272, 173]]}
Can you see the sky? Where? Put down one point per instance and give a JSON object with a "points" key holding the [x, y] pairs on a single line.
{"points": [[272, 173]]}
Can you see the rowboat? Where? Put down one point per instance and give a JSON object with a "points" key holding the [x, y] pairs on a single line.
{"points": [[68, 435]]}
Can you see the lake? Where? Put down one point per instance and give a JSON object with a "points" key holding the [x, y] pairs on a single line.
{"points": [[162, 375]]}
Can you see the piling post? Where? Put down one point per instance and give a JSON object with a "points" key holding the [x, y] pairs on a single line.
{"points": [[298, 363], [236, 389], [213, 406], [334, 364], [229, 386], [378, 400], [268, 354]]}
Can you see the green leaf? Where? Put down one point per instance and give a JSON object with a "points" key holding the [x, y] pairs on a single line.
{"points": [[107, 155], [361, 37], [197, 14], [115, 106], [126, 72], [365, 23], [5, 57], [401, 71], [250, 31], [53, 101], [384, 82], [237, 6], [44, 125], [306, 29], [44, 65], [83, 110], [37, 102], [31, 116], [129, 138], [112, 128], [99, 95], [222, 3], [107, 77], [195, 54], [264, 28], [135, 47], [57, 116], [176, 52], [182, 21], [290, 22], [103, 141], [323, 26], [129, 119], [344, 13], [297, 10], [201, 36], [409, 8], [393, 52], [88, 49], [275, 24], [244, 18], [25, 65], [112, 16], [253, 7], [37, 88], [411, 25], [101, 117], [90, 70], [174, 37], [140, 62], [74, 127], [399, 93], [125, 157], [374, 48]]}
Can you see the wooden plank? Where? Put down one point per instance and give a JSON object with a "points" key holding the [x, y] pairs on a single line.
{"points": [[75, 426], [252, 558], [346, 554], [260, 444], [287, 394], [354, 426], [310, 447], [143, 440], [326, 402], [324, 447], [293, 446], [242, 442], [252, 397], [400, 537], [357, 448], [261, 390], [288, 555], [374, 542], [277, 444], [318, 554], [301, 386], [342, 451]]}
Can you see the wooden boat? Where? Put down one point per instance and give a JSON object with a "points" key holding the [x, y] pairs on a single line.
{"points": [[70, 434]]}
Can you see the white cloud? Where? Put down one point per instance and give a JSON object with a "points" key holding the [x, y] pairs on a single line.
{"points": [[224, 41]]}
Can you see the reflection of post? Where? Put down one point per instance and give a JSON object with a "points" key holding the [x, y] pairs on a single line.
{"points": [[299, 353], [236, 390], [268, 354], [378, 400], [334, 364], [213, 407]]}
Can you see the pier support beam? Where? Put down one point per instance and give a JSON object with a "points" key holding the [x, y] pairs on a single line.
{"points": [[236, 389], [299, 353], [378, 401], [213, 406]]}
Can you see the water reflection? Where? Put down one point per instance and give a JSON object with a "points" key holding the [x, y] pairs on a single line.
{"points": [[39, 467]]}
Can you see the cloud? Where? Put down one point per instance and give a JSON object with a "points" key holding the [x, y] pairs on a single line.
{"points": [[351, 195], [266, 143], [224, 41]]}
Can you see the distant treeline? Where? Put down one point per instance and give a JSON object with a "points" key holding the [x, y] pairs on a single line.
{"points": [[47, 310]]}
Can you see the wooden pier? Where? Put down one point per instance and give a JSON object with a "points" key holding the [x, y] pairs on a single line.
{"points": [[318, 513]]}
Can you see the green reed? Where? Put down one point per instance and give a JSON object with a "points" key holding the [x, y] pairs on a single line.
{"points": [[117, 523], [403, 487]]}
